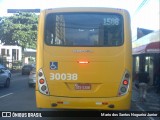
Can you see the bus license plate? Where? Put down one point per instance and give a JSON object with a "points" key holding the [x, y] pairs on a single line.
{"points": [[82, 86]]}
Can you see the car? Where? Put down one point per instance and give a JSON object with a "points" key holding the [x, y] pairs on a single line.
{"points": [[32, 78], [4, 78], [5, 69], [26, 69]]}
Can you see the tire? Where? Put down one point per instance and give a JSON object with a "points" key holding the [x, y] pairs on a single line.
{"points": [[7, 83], [9, 75]]}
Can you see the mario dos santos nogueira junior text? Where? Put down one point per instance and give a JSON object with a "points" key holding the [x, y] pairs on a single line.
{"points": [[129, 114]]}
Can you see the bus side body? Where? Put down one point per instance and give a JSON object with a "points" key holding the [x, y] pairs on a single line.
{"points": [[85, 76]]}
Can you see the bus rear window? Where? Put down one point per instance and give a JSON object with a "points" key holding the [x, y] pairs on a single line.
{"points": [[83, 29]]}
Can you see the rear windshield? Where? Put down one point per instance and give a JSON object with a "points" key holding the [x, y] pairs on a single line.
{"points": [[83, 29]]}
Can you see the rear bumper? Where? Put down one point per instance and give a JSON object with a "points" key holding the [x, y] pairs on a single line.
{"points": [[120, 103]]}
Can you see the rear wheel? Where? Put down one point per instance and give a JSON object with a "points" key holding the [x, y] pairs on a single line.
{"points": [[7, 83]]}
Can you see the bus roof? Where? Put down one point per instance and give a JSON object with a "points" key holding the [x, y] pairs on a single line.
{"points": [[86, 9]]}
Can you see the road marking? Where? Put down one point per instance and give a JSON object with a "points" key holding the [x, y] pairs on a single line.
{"points": [[155, 108], [140, 108], [149, 118], [153, 104], [6, 95]]}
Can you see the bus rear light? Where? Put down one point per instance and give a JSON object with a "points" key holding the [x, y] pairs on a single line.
{"points": [[63, 102], [83, 62], [104, 103], [101, 103], [59, 102], [125, 82], [43, 88], [123, 89], [126, 75], [42, 83], [124, 86], [40, 74]]}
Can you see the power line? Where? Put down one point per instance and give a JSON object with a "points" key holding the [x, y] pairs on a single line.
{"points": [[144, 2]]}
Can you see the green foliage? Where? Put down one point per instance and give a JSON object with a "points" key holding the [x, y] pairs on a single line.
{"points": [[19, 29]]}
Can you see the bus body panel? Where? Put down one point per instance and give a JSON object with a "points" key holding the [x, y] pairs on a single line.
{"points": [[104, 71], [84, 102]]}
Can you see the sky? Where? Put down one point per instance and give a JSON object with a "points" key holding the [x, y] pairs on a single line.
{"points": [[13, 4], [145, 15]]}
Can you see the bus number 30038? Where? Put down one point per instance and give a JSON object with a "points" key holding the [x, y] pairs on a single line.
{"points": [[63, 76]]}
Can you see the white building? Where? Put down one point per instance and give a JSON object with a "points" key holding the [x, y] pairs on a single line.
{"points": [[11, 53]]}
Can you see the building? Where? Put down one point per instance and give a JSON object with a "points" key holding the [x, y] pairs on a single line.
{"points": [[146, 54], [10, 54]]}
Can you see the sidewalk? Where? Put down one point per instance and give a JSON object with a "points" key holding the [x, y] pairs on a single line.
{"points": [[153, 99]]}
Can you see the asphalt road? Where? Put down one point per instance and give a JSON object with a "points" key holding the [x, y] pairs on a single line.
{"points": [[19, 97]]}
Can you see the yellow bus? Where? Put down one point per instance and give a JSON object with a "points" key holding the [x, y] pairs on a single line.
{"points": [[84, 59]]}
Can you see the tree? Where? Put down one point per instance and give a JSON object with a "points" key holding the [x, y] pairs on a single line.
{"points": [[19, 29]]}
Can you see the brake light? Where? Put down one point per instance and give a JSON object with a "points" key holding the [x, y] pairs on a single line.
{"points": [[42, 83], [83, 62], [125, 82]]}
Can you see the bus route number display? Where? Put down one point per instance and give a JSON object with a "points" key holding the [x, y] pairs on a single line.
{"points": [[111, 21]]}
